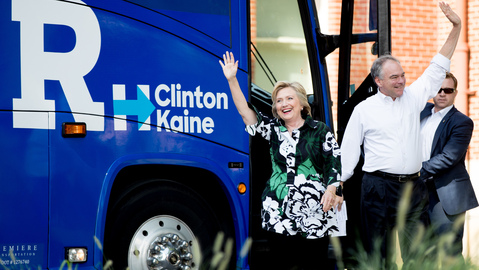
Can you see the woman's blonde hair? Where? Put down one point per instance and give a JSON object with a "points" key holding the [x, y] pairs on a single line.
{"points": [[300, 92]]}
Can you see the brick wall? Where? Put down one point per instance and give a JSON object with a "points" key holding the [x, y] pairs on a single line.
{"points": [[473, 42], [361, 57], [414, 35]]}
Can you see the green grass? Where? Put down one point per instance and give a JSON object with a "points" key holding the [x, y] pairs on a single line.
{"points": [[427, 251]]}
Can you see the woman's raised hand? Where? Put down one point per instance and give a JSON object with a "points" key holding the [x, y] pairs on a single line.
{"points": [[230, 67]]}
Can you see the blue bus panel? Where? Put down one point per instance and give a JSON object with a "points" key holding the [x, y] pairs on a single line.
{"points": [[146, 81]]}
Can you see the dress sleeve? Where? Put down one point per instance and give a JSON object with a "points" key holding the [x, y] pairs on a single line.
{"points": [[331, 154], [262, 126]]}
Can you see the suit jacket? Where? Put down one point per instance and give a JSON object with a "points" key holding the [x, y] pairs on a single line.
{"points": [[446, 165]]}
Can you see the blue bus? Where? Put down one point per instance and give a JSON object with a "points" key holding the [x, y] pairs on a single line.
{"points": [[120, 140]]}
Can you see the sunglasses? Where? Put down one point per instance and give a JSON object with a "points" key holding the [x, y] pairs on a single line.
{"points": [[446, 90]]}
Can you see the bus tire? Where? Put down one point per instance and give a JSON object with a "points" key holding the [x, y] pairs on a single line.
{"points": [[163, 225]]}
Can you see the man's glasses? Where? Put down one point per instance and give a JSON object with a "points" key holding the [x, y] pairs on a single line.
{"points": [[446, 90]]}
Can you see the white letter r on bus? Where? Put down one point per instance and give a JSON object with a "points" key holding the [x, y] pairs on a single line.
{"points": [[68, 68]]}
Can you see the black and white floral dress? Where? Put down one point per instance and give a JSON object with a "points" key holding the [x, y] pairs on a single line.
{"points": [[303, 164]]}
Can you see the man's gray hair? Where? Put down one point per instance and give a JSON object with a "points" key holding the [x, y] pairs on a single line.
{"points": [[377, 67]]}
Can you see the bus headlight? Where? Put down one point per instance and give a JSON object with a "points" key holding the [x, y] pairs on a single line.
{"points": [[76, 255]]}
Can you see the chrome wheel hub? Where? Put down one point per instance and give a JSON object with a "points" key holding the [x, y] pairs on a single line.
{"points": [[164, 242]]}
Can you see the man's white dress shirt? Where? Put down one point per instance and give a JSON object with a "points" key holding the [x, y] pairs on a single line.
{"points": [[428, 130], [390, 130]]}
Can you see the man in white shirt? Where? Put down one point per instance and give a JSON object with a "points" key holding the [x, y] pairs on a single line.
{"points": [[386, 126], [446, 134]]}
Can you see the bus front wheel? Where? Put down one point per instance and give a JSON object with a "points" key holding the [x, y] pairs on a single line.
{"points": [[162, 226]]}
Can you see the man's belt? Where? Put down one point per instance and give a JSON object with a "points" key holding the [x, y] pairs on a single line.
{"points": [[396, 177]]}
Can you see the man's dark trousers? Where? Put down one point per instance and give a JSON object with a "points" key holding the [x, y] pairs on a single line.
{"points": [[379, 208]]}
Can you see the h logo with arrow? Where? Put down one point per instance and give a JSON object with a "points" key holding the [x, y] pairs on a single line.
{"points": [[141, 107]]}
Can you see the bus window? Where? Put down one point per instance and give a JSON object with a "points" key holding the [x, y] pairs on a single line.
{"points": [[279, 41]]}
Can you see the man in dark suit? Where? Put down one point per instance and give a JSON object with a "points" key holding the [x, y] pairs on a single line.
{"points": [[446, 134]]}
